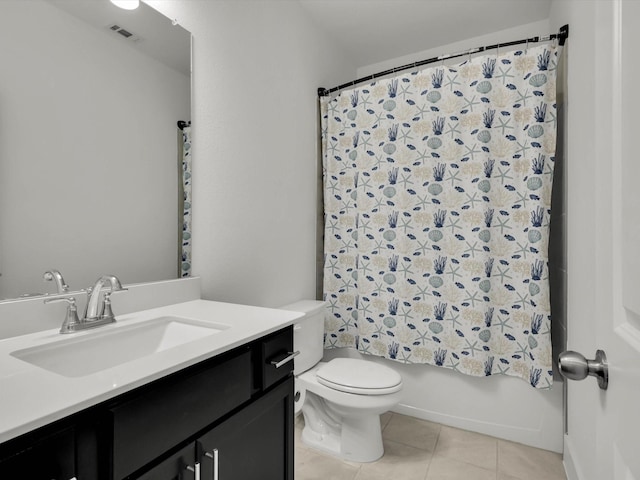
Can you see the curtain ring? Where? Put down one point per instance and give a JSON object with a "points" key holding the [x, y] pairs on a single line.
{"points": [[498, 51], [526, 47]]}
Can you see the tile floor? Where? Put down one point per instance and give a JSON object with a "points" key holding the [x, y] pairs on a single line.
{"points": [[420, 450]]}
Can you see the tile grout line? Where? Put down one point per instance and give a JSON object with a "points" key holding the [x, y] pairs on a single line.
{"points": [[433, 453], [497, 456]]}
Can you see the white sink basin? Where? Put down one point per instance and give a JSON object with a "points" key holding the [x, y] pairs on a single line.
{"points": [[98, 350]]}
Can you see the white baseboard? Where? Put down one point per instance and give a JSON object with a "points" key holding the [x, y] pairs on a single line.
{"points": [[526, 436]]}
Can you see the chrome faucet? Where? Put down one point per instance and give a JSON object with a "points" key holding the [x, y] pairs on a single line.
{"points": [[100, 311], [56, 276], [96, 312]]}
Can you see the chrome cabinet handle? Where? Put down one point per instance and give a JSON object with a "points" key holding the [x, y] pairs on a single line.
{"points": [[214, 456], [575, 366], [195, 469], [291, 356]]}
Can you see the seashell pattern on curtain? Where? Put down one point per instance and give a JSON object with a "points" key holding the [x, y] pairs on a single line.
{"points": [[437, 204], [185, 236]]}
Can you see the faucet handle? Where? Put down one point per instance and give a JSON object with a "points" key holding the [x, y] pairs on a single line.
{"points": [[70, 300], [71, 320], [107, 312]]}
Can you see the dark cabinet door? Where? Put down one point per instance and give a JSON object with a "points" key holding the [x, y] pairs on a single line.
{"points": [[254, 444], [179, 466], [49, 458], [169, 413]]}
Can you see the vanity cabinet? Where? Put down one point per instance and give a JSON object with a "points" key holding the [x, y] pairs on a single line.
{"points": [[251, 444], [50, 454], [151, 423], [226, 418]]}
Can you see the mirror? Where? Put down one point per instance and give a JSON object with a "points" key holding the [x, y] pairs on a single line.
{"points": [[89, 143]]}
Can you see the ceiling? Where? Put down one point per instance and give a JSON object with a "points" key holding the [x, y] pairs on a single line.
{"points": [[370, 31], [153, 33], [373, 31]]}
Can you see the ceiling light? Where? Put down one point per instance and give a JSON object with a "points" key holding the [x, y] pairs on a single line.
{"points": [[126, 4]]}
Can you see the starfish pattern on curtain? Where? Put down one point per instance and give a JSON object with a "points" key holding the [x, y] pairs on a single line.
{"points": [[437, 204], [185, 237]]}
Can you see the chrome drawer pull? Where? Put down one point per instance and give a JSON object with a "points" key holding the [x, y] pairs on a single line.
{"points": [[195, 469], [291, 356], [214, 456]]}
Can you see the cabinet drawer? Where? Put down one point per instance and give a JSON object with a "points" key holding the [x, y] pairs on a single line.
{"points": [[275, 348], [169, 413]]}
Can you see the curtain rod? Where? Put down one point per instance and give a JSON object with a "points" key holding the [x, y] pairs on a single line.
{"points": [[561, 36]]}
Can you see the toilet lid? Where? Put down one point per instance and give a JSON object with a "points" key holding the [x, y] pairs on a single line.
{"points": [[359, 376]]}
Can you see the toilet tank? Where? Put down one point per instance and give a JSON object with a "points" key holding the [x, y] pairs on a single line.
{"points": [[308, 333]]}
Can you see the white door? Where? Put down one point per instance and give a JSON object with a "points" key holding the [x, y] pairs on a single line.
{"points": [[604, 426], [621, 333]]}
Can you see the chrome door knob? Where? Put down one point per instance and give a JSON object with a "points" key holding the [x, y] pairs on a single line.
{"points": [[575, 366]]}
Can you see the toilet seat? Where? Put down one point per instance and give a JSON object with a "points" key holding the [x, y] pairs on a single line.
{"points": [[361, 377]]}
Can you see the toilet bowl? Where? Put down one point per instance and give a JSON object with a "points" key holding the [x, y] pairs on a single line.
{"points": [[345, 423], [341, 400]]}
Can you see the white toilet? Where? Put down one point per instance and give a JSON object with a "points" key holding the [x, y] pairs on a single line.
{"points": [[342, 399]]}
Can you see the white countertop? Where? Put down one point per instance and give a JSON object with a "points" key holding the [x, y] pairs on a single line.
{"points": [[31, 397]]}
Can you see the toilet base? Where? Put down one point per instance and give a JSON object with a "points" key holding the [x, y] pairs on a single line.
{"points": [[355, 437], [343, 424]]}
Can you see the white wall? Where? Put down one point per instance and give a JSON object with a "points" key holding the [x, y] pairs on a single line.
{"points": [[256, 70], [523, 31], [88, 149]]}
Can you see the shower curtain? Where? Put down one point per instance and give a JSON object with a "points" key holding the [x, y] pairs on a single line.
{"points": [[437, 188], [185, 203]]}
